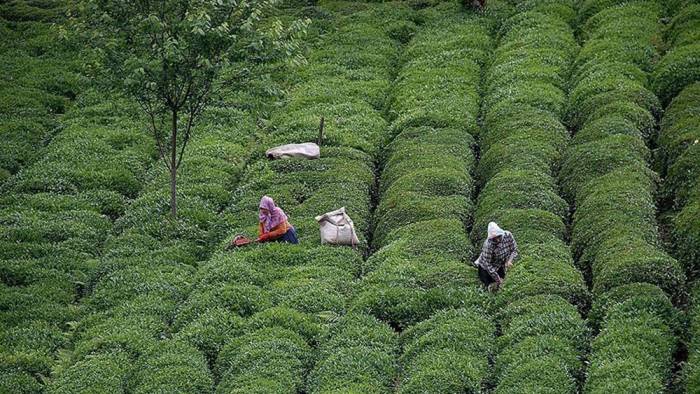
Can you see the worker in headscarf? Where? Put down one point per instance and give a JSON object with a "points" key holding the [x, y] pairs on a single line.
{"points": [[273, 223], [497, 256]]}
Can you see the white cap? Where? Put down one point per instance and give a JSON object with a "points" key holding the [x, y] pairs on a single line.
{"points": [[494, 230]]}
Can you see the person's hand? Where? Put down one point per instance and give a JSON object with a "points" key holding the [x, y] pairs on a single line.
{"points": [[496, 285], [263, 238], [509, 264]]}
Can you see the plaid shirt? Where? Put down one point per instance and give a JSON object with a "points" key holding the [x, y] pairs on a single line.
{"points": [[494, 256]]}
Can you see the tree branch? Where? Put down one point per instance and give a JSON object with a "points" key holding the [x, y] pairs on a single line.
{"points": [[151, 114]]}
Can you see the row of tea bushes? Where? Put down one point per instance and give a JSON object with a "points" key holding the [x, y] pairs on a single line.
{"points": [[425, 184], [676, 81], [53, 224], [148, 266], [290, 298], [38, 80], [357, 354], [447, 353], [121, 338], [606, 174], [676, 77], [680, 66], [55, 214], [33, 10], [692, 368], [419, 279], [543, 337]]}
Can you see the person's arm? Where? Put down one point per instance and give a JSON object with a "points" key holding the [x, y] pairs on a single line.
{"points": [[274, 233], [261, 231], [513, 246]]}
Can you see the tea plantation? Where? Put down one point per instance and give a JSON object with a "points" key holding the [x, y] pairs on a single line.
{"points": [[574, 124]]}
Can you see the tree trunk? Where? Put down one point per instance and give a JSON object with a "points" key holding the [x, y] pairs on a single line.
{"points": [[173, 167]]}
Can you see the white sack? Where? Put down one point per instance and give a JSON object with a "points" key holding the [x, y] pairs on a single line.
{"points": [[307, 150]]}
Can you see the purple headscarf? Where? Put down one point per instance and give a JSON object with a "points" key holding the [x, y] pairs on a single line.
{"points": [[274, 217]]}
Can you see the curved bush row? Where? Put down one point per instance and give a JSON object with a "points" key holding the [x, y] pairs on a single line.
{"points": [[679, 140], [675, 80], [680, 66], [421, 265], [426, 183], [33, 10], [281, 298], [606, 174], [54, 220], [448, 353], [692, 369], [357, 354], [39, 80], [543, 335], [147, 267], [678, 149]]}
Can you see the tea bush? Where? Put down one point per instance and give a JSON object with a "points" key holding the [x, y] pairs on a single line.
{"points": [[303, 286], [357, 353], [449, 351], [691, 373], [107, 372], [675, 81], [607, 177], [522, 146], [679, 156], [425, 184], [172, 366], [40, 80]]}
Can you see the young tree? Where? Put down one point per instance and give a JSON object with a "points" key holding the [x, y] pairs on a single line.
{"points": [[168, 53]]}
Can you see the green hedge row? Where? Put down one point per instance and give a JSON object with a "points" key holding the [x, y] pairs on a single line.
{"points": [[679, 152], [539, 305], [40, 78], [357, 354], [55, 217], [680, 66], [418, 280], [33, 10], [606, 175], [692, 371], [425, 184], [101, 148], [607, 166], [447, 353], [683, 29], [289, 295], [675, 81], [543, 338], [148, 269], [678, 149]]}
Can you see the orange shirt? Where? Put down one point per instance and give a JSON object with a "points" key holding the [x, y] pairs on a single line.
{"points": [[276, 231]]}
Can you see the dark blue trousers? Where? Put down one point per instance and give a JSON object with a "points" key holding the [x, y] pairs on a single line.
{"points": [[290, 236]]}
